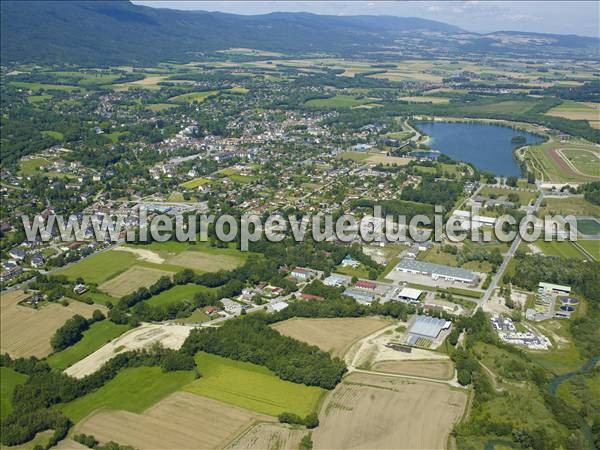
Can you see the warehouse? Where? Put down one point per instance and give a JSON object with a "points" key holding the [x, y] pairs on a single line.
{"points": [[436, 271], [406, 294]]}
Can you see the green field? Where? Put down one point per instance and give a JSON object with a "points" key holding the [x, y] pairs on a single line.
{"points": [[160, 106], [505, 107], [9, 380], [176, 294], [569, 206], [100, 297], [563, 356], [524, 196], [99, 268], [592, 247], [134, 389], [93, 338], [192, 184], [193, 97], [585, 161], [197, 316], [563, 249], [31, 166], [354, 156], [339, 101], [252, 387], [237, 178], [33, 99], [42, 86], [54, 134]]}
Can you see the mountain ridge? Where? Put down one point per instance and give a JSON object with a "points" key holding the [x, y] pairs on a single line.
{"points": [[119, 32]]}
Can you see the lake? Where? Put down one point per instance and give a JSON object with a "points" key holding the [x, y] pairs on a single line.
{"points": [[487, 147]]}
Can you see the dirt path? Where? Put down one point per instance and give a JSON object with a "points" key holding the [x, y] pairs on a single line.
{"points": [[144, 255], [144, 336]]}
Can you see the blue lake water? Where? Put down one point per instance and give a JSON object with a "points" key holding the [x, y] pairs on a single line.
{"points": [[487, 147]]}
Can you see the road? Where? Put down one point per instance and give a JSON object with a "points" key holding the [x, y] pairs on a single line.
{"points": [[509, 255]]}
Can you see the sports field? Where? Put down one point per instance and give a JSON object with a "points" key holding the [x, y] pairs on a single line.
{"points": [[180, 421], [372, 411], [588, 226], [252, 387], [93, 338], [25, 331], [331, 335], [10, 379], [132, 279], [563, 162], [134, 389]]}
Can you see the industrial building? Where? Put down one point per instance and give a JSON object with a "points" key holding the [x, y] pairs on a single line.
{"points": [[436, 271], [359, 295], [406, 294], [556, 288], [426, 328], [337, 280]]}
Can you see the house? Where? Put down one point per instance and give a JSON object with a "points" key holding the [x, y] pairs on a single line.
{"points": [[10, 273], [366, 285], [277, 306], [231, 307], [336, 280], [210, 310], [302, 274], [17, 253], [80, 288], [37, 260], [348, 261]]}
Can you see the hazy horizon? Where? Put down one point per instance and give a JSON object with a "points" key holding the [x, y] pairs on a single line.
{"points": [[560, 17]]}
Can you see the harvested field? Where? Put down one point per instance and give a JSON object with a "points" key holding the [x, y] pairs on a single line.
{"points": [[200, 423], [439, 369], [388, 160], [25, 331], [269, 435], [69, 444], [144, 336], [332, 335], [372, 411], [131, 280], [205, 262]]}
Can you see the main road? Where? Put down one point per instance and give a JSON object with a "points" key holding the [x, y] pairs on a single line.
{"points": [[509, 255]]}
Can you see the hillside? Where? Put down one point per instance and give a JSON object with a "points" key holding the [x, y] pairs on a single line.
{"points": [[118, 32]]}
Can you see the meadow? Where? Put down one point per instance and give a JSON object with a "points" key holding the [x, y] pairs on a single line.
{"points": [[525, 197], [252, 387], [133, 389], [193, 97], [577, 111], [564, 249], [177, 294], [192, 184], [101, 267], [592, 247], [93, 338], [573, 205], [10, 380], [339, 101]]}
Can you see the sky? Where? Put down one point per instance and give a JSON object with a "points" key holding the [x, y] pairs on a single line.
{"points": [[560, 17]]}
